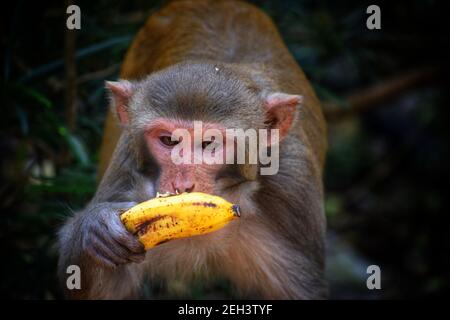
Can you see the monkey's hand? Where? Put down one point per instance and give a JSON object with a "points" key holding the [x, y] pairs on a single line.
{"points": [[104, 237]]}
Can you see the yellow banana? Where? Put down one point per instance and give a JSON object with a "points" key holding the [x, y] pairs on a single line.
{"points": [[178, 216]]}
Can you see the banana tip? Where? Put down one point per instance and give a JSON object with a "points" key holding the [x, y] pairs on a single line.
{"points": [[236, 210]]}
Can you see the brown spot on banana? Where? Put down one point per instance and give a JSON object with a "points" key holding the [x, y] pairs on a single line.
{"points": [[145, 226]]}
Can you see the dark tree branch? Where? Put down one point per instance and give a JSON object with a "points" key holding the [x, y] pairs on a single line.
{"points": [[99, 74], [378, 94]]}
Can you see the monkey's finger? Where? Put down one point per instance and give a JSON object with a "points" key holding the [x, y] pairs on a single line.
{"points": [[128, 241], [100, 259], [126, 252], [125, 238], [118, 248], [137, 258], [115, 229], [106, 251]]}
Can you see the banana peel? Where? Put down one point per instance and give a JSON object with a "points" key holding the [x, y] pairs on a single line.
{"points": [[169, 217]]}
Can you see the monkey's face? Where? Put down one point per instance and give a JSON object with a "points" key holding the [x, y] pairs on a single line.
{"points": [[184, 113], [190, 154]]}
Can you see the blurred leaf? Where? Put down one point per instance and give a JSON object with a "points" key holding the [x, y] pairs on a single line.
{"points": [[37, 96], [76, 146], [333, 205]]}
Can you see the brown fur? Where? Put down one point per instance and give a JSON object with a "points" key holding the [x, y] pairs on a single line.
{"points": [[276, 250], [223, 31]]}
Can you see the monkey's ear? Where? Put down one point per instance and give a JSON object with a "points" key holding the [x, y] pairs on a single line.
{"points": [[121, 92], [280, 111]]}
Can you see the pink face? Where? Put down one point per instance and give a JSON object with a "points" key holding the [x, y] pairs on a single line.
{"points": [[184, 177]]}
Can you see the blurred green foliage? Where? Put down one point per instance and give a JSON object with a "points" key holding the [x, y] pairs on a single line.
{"points": [[385, 171]]}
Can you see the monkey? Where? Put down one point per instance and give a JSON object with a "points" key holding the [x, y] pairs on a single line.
{"points": [[225, 64]]}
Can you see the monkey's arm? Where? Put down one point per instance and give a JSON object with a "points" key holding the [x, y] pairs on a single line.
{"points": [[95, 239]]}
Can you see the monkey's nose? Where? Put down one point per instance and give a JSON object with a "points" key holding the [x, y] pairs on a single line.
{"points": [[183, 187]]}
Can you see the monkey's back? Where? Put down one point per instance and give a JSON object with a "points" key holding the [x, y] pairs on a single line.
{"points": [[225, 31]]}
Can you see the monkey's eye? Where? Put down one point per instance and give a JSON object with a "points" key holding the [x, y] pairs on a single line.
{"points": [[205, 144], [167, 141]]}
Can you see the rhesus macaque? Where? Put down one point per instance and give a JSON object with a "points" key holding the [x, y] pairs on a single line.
{"points": [[222, 63]]}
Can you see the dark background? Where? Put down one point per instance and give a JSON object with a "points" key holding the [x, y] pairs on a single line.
{"points": [[384, 94]]}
